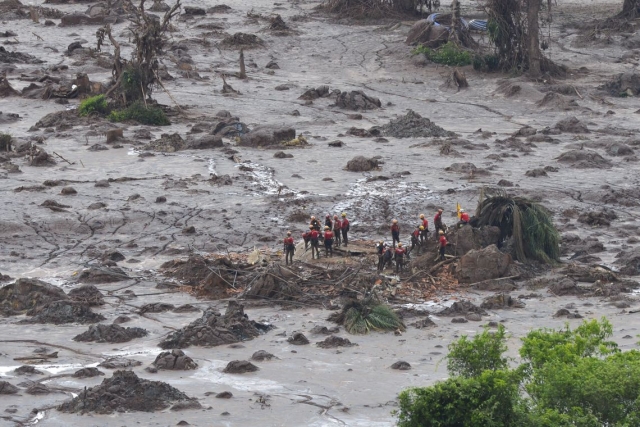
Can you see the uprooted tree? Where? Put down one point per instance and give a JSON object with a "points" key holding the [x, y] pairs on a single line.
{"points": [[135, 79]]}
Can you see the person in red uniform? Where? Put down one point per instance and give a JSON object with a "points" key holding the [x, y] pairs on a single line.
{"points": [[328, 241], [437, 223], [380, 247], [464, 218], [399, 256], [395, 232], [314, 236], [337, 225], [345, 229], [442, 244], [424, 222], [289, 248], [328, 222], [306, 236], [415, 238], [315, 223]]}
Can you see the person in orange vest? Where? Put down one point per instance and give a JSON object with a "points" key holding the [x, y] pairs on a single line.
{"points": [[345, 229], [415, 238], [464, 218], [314, 236], [306, 236], [337, 225], [289, 248], [424, 228], [442, 244], [399, 256], [438, 224], [328, 241], [395, 232]]}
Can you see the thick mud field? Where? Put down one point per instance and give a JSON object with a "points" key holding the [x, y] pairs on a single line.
{"points": [[146, 260]]}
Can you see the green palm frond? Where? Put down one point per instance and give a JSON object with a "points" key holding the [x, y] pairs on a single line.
{"points": [[362, 317]]}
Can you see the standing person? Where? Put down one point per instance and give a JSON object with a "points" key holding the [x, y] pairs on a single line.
{"points": [[345, 229], [387, 257], [314, 236], [415, 238], [328, 241], [399, 256], [289, 248], [315, 223], [395, 232], [337, 225], [442, 244], [424, 228], [306, 236], [380, 251], [327, 222], [437, 223]]}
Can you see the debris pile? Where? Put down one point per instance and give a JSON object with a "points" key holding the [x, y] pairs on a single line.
{"points": [[27, 294], [413, 125], [59, 312], [110, 333]]}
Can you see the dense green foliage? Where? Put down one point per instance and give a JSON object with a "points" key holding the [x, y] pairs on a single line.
{"points": [[568, 378], [361, 317], [447, 54], [95, 104], [143, 114]]}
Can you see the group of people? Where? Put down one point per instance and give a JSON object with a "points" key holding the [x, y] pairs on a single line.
{"points": [[335, 230]]}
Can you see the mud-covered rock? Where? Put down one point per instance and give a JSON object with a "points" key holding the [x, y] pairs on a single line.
{"points": [[619, 149], [214, 329], [584, 159], [266, 136], [596, 219], [571, 125], [224, 395], [88, 373], [466, 168], [155, 307], [123, 392], [401, 365], [8, 388], [261, 356], [629, 262], [167, 143], [240, 367], [468, 238], [118, 362], [37, 388], [186, 308], [461, 307], [298, 338], [334, 342], [59, 312], [186, 405], [27, 294], [362, 164], [501, 301], [315, 93], [423, 323], [483, 264], [413, 125], [174, 360], [242, 41], [323, 330], [97, 275], [27, 370], [357, 100], [565, 286], [204, 142], [110, 333], [87, 294]]}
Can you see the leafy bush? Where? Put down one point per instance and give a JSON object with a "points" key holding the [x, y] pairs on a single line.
{"points": [[447, 54], [567, 378], [95, 104], [143, 114]]}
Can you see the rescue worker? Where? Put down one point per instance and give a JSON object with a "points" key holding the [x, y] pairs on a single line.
{"points": [[395, 232], [380, 250], [315, 223], [442, 244], [328, 241], [314, 236], [327, 222], [424, 228], [345, 229], [306, 236], [437, 223], [415, 238], [337, 225], [289, 248], [399, 256], [464, 218]]}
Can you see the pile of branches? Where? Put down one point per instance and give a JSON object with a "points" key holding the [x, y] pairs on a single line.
{"points": [[371, 9], [530, 225]]}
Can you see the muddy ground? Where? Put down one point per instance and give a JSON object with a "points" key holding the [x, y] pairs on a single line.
{"points": [[142, 203]]}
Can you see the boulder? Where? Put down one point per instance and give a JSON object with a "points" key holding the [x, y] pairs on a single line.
{"points": [[174, 360], [629, 262], [240, 367], [357, 100], [483, 264], [27, 294], [265, 136], [362, 164]]}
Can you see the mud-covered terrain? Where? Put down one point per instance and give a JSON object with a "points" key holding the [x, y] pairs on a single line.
{"points": [[127, 251]]}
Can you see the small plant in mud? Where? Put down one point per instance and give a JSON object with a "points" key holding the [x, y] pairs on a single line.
{"points": [[95, 104], [141, 113], [362, 317], [447, 54]]}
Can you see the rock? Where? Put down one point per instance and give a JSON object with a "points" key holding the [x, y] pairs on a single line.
{"points": [[459, 320], [483, 264], [535, 173], [114, 135], [156, 307], [282, 155], [124, 391], [495, 285], [565, 286], [319, 92], [159, 6], [102, 183], [505, 183], [584, 159], [59, 312], [213, 329], [362, 164], [87, 294], [272, 65], [501, 301], [27, 294], [189, 404], [357, 100], [97, 147], [474, 317], [204, 142], [468, 238], [423, 323], [466, 168], [102, 275], [334, 342], [571, 125], [629, 261], [189, 230], [242, 41], [118, 362], [619, 149], [265, 136], [167, 143], [38, 388], [282, 87], [461, 307], [121, 319], [195, 11], [27, 370], [174, 360], [224, 395], [401, 365], [110, 333], [323, 330], [298, 338], [240, 367], [597, 219], [336, 144], [87, 373], [7, 388], [68, 191], [261, 356], [161, 199], [186, 308]]}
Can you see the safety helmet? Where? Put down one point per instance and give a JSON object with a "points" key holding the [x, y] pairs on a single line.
{"points": [[421, 227], [461, 210], [421, 216], [440, 210], [328, 216], [399, 244], [395, 221], [344, 214], [441, 232], [381, 242], [326, 227], [335, 217], [313, 217], [311, 226], [288, 233]]}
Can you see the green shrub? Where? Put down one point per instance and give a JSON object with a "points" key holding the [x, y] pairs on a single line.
{"points": [[95, 104], [447, 54], [470, 358], [143, 114]]}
